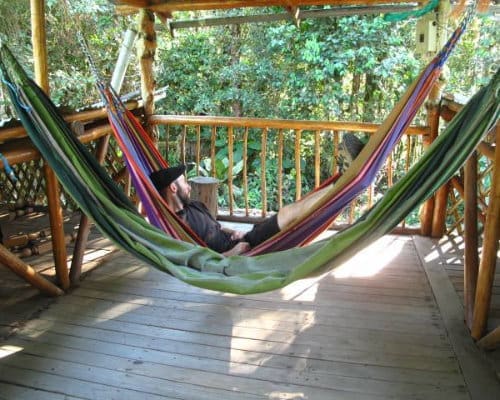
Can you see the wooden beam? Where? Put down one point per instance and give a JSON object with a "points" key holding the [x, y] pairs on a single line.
{"points": [[169, 6], [16, 265], [489, 254], [52, 185], [491, 341], [283, 16]]}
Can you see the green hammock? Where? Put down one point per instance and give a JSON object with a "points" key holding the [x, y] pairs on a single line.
{"points": [[99, 197]]}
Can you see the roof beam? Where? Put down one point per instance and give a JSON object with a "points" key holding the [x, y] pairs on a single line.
{"points": [[303, 14], [131, 6]]}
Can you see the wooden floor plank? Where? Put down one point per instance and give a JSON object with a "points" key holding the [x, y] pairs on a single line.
{"points": [[9, 391], [241, 318], [370, 329], [481, 380], [223, 378]]}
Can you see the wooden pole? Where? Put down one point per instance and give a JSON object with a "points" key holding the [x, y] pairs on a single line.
{"points": [[146, 49], [489, 254], [439, 214], [471, 258], [491, 340], [16, 265], [427, 212], [84, 227], [52, 186]]}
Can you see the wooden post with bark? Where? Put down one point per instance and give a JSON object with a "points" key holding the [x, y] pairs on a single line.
{"points": [[146, 49], [52, 185]]}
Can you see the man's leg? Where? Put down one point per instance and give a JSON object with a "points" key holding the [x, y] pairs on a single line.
{"points": [[350, 148]]}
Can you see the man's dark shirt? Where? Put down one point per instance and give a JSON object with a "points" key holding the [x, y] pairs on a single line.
{"points": [[197, 216]]}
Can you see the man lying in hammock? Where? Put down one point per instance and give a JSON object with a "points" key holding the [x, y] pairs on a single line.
{"points": [[176, 191]]}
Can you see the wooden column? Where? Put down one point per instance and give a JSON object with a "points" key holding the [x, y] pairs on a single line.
{"points": [[471, 258], [427, 212], [489, 254], [146, 49], [52, 185], [439, 214], [84, 227]]}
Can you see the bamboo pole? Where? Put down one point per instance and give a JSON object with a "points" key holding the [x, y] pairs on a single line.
{"points": [[230, 154], [52, 186], [263, 183], [317, 158], [213, 138], [16, 265], [471, 258], [489, 254], [245, 169], [298, 171], [280, 167]]}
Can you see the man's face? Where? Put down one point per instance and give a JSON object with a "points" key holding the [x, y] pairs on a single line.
{"points": [[183, 190]]}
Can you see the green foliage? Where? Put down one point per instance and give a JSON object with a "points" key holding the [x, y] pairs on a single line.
{"points": [[351, 68]]}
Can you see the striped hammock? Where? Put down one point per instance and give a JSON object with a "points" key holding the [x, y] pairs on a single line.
{"points": [[142, 158], [113, 213]]}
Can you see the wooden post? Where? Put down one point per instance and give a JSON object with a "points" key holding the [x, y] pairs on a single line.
{"points": [[52, 186], [16, 265], [204, 189], [84, 227], [471, 259], [427, 212], [439, 215], [146, 49], [489, 254]]}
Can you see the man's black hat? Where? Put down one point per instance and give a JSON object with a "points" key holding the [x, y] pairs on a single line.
{"points": [[164, 177]]}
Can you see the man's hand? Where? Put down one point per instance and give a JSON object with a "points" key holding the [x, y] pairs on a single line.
{"points": [[237, 235], [240, 247]]}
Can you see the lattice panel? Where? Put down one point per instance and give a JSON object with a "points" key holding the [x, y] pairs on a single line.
{"points": [[455, 214], [31, 180]]}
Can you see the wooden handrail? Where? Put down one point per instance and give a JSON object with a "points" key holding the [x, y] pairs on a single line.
{"points": [[275, 123]]}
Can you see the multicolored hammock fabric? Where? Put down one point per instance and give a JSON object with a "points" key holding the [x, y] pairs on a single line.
{"points": [[142, 158], [114, 214]]}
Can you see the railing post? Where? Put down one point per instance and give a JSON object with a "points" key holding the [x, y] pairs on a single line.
{"points": [[471, 259]]}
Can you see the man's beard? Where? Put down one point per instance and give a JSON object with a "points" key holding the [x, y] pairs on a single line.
{"points": [[183, 196]]}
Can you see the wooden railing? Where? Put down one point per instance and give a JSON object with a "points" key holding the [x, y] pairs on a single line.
{"points": [[313, 146]]}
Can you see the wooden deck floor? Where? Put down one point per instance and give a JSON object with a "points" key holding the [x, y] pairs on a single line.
{"points": [[382, 326]]}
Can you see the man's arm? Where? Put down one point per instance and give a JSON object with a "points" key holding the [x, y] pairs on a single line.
{"points": [[240, 247], [235, 235]]}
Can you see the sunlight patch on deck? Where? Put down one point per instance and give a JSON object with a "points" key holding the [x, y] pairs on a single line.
{"points": [[370, 261], [7, 350]]}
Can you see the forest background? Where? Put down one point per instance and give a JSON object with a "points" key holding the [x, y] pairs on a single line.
{"points": [[338, 68]]}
